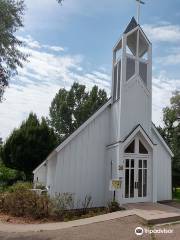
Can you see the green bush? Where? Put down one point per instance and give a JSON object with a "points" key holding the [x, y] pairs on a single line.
{"points": [[9, 176], [20, 186]]}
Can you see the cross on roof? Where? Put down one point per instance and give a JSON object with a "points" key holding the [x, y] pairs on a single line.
{"points": [[139, 2]]}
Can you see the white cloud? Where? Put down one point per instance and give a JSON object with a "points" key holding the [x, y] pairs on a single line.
{"points": [[54, 48], [40, 79], [162, 92], [162, 32], [30, 42], [172, 59], [33, 44]]}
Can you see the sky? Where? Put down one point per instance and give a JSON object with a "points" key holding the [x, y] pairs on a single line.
{"points": [[74, 42]]}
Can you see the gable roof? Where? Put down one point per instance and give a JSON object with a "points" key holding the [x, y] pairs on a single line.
{"points": [[75, 133], [132, 134], [139, 128], [162, 140]]}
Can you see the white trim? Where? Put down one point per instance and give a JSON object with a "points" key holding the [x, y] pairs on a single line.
{"points": [[83, 126], [41, 165], [162, 140], [114, 145], [143, 33], [116, 46], [149, 192], [133, 134], [132, 31], [45, 162]]}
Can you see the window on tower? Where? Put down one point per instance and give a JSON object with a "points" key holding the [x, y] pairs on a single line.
{"points": [[130, 68], [143, 71], [143, 57], [131, 47], [143, 47], [131, 51], [117, 80], [117, 71]]}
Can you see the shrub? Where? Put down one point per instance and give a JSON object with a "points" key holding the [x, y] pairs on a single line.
{"points": [[9, 176], [25, 203], [113, 206], [86, 204], [63, 202], [20, 186]]}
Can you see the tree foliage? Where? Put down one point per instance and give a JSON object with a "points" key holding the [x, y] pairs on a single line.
{"points": [[171, 133], [11, 57], [9, 176], [28, 145], [69, 109]]}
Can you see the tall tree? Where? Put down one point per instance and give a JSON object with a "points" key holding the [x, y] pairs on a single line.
{"points": [[69, 109], [11, 57], [171, 133], [28, 145]]}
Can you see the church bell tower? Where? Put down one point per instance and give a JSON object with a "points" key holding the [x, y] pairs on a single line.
{"points": [[132, 80]]}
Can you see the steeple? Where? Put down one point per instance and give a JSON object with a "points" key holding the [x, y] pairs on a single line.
{"points": [[132, 74], [131, 57]]}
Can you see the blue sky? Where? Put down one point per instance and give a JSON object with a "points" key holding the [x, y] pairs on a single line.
{"points": [[74, 42]]}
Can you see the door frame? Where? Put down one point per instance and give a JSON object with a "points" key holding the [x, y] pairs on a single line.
{"points": [[137, 157]]}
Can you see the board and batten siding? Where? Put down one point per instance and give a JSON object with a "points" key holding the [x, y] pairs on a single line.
{"points": [[136, 108], [80, 167], [40, 176], [114, 122], [51, 170], [164, 176]]}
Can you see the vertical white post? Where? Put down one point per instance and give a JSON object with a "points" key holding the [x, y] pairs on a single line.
{"points": [[138, 10], [120, 172], [112, 86], [154, 175]]}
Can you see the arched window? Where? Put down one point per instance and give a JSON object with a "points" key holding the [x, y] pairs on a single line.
{"points": [[142, 148], [136, 146], [131, 147]]}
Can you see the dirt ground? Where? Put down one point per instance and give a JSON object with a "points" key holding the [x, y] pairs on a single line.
{"points": [[119, 229]]}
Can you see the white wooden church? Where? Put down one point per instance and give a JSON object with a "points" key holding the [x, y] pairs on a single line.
{"points": [[119, 142]]}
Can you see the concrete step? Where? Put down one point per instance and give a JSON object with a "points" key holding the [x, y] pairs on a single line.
{"points": [[154, 213]]}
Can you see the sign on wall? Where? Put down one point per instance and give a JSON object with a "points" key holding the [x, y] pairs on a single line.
{"points": [[115, 184]]}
